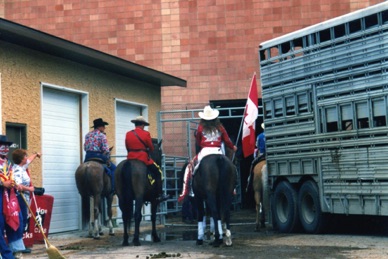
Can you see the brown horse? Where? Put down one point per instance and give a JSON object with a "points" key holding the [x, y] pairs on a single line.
{"points": [[260, 188], [133, 185], [93, 181], [213, 183]]}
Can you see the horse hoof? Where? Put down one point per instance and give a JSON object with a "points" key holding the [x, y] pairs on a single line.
{"points": [[156, 239], [125, 243], [136, 242], [96, 238], [199, 242], [111, 234], [228, 238], [216, 243]]}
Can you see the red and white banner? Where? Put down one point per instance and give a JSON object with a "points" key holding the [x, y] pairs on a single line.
{"points": [[250, 116]]}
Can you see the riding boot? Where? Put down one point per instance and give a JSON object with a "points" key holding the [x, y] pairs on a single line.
{"points": [[159, 182], [161, 196], [112, 168], [186, 183]]}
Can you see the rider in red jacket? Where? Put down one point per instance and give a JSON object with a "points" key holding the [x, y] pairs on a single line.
{"points": [[209, 136], [139, 145]]}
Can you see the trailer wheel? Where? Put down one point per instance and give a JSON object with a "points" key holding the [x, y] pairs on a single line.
{"points": [[284, 208], [310, 214]]}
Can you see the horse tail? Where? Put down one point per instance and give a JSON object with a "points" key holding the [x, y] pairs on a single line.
{"points": [[86, 195], [225, 184], [126, 178]]}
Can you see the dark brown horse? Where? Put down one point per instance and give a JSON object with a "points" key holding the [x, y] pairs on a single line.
{"points": [[260, 189], [93, 181], [133, 185], [213, 183]]}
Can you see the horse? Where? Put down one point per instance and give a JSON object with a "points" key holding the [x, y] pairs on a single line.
{"points": [[213, 183], [132, 185], [260, 189], [92, 181]]}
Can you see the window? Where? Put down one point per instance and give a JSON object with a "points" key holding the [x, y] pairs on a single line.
{"points": [[268, 110], [274, 52], [17, 133], [290, 105], [302, 103], [384, 17], [278, 105], [355, 26], [379, 112], [371, 21], [346, 117], [339, 31], [362, 115], [331, 119], [324, 35]]}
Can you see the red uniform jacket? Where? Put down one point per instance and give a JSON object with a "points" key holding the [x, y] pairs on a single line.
{"points": [[136, 149], [213, 140]]}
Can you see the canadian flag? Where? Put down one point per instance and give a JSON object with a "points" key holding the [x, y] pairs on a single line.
{"points": [[250, 116]]}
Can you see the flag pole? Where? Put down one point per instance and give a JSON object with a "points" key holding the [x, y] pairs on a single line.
{"points": [[242, 120], [249, 120], [241, 124]]}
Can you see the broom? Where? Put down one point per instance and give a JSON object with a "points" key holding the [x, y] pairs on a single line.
{"points": [[52, 251]]}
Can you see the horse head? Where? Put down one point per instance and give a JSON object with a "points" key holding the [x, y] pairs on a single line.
{"points": [[156, 155]]}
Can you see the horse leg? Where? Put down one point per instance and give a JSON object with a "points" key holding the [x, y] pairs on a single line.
{"points": [[258, 210], [91, 216], [155, 237], [263, 211], [200, 216], [109, 200], [126, 207], [212, 203], [138, 216], [225, 211], [97, 203]]}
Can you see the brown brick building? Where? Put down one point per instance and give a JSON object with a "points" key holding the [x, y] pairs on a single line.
{"points": [[213, 44]]}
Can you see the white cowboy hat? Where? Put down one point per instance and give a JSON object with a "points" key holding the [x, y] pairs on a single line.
{"points": [[141, 120], [208, 113], [262, 125]]}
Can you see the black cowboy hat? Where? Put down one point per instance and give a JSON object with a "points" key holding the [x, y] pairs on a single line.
{"points": [[140, 120], [3, 140], [99, 122]]}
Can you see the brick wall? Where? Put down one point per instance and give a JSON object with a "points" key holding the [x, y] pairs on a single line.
{"points": [[212, 44]]}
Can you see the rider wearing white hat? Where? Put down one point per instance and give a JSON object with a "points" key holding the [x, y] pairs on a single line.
{"points": [[210, 135]]}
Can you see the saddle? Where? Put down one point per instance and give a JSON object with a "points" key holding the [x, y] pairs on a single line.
{"points": [[257, 160], [101, 161], [95, 159]]}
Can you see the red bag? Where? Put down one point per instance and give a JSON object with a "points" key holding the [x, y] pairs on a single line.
{"points": [[11, 209]]}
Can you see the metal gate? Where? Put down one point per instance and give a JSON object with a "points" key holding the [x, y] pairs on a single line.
{"points": [[176, 128]]}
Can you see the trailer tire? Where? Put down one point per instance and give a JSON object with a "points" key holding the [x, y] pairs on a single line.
{"points": [[284, 208], [310, 214]]}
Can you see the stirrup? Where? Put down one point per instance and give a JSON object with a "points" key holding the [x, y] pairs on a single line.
{"points": [[163, 197]]}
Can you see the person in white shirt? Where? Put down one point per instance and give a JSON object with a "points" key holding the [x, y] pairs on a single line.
{"points": [[22, 180]]}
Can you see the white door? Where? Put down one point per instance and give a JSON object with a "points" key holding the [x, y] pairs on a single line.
{"points": [[124, 114], [61, 156]]}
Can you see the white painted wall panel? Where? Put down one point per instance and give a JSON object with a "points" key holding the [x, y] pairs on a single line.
{"points": [[61, 156]]}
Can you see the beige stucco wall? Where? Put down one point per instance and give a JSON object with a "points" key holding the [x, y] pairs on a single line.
{"points": [[22, 71]]}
